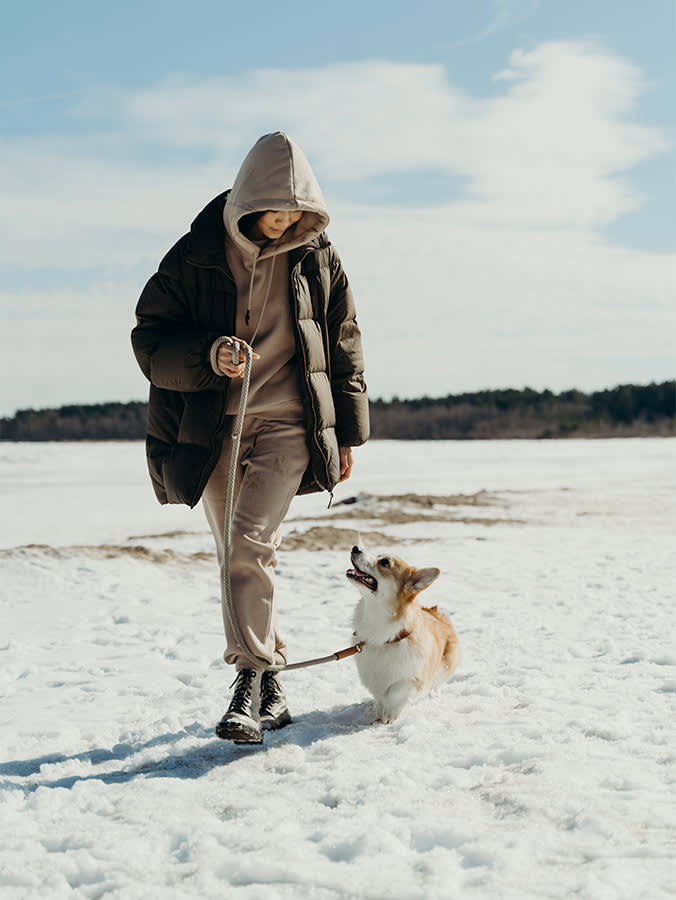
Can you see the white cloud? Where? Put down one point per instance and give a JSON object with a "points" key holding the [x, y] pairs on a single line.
{"points": [[510, 283], [505, 14], [66, 203], [547, 151], [490, 307], [563, 136], [69, 346]]}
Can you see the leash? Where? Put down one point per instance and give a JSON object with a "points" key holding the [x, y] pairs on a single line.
{"points": [[341, 654], [227, 537], [229, 498]]}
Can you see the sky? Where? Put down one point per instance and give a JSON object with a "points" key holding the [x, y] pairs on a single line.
{"points": [[500, 175]]}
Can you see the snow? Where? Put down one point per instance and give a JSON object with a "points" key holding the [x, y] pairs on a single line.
{"points": [[544, 769]]}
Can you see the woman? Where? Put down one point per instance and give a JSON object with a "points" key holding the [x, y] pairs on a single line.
{"points": [[256, 267]]}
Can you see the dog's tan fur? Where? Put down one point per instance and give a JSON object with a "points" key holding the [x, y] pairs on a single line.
{"points": [[409, 649]]}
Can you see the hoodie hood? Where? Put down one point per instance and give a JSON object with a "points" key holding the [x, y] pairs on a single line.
{"points": [[275, 175]]}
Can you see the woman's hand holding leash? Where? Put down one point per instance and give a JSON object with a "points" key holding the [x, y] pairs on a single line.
{"points": [[231, 361], [225, 358]]}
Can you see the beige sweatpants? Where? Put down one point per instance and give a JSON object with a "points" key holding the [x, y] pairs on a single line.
{"points": [[273, 457]]}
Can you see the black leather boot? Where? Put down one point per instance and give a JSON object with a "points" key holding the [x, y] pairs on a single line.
{"points": [[274, 713], [241, 723]]}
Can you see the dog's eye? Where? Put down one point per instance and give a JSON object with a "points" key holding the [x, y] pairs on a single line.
{"points": [[385, 563]]}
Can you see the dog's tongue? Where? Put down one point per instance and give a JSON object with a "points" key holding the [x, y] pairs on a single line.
{"points": [[362, 577]]}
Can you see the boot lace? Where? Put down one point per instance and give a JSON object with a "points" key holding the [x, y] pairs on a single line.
{"points": [[270, 689], [242, 684]]}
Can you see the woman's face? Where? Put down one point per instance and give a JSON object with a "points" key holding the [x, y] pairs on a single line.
{"points": [[273, 223]]}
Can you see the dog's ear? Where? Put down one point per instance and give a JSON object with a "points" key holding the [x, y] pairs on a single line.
{"points": [[422, 578]]}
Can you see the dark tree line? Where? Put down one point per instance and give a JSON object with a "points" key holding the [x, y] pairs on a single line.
{"points": [[624, 410], [90, 422]]}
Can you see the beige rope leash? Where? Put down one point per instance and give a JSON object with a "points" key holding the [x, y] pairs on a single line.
{"points": [[257, 661], [341, 654], [229, 499]]}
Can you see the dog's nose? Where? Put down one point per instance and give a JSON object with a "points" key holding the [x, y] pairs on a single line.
{"points": [[356, 549]]}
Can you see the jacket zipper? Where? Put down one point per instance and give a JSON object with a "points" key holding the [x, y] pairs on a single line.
{"points": [[295, 277]]}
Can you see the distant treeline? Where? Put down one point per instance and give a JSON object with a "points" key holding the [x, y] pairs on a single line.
{"points": [[626, 410], [83, 422]]}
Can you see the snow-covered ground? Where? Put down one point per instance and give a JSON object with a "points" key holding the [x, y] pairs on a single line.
{"points": [[544, 769]]}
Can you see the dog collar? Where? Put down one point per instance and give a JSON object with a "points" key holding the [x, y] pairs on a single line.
{"points": [[403, 634]]}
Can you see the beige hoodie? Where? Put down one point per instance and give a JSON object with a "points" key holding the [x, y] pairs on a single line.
{"points": [[274, 175]]}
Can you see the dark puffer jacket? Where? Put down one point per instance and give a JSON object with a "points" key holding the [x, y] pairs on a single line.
{"points": [[189, 303]]}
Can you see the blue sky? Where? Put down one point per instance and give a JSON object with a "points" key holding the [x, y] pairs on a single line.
{"points": [[501, 178]]}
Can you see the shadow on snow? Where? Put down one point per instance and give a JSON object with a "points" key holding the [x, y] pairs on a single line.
{"points": [[194, 761]]}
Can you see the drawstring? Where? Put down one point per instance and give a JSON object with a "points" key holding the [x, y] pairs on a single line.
{"points": [[265, 298], [251, 281]]}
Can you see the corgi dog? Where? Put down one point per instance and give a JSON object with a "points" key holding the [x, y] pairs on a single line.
{"points": [[408, 649]]}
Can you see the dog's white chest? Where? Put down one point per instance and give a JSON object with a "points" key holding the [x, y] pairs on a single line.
{"points": [[381, 666]]}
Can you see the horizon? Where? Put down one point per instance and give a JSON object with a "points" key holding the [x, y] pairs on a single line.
{"points": [[393, 399]]}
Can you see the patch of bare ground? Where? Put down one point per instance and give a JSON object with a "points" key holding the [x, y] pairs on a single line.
{"points": [[381, 510], [480, 498], [406, 509], [326, 537], [109, 551]]}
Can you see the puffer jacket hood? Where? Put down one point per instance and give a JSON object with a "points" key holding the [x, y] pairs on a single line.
{"points": [[275, 175]]}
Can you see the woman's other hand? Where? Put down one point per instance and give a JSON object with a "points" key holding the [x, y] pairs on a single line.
{"points": [[345, 462]]}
